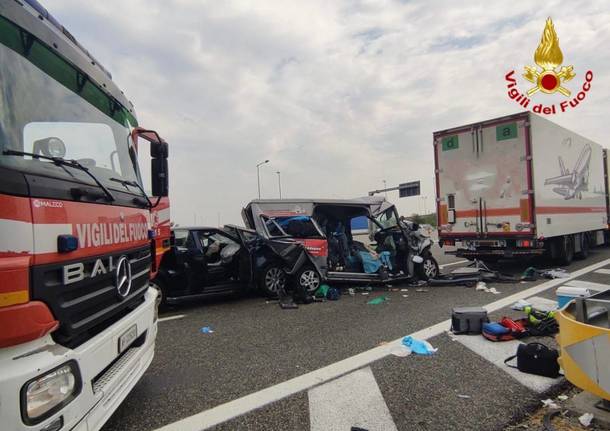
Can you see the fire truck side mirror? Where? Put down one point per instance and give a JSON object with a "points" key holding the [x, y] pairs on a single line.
{"points": [[159, 150], [160, 177]]}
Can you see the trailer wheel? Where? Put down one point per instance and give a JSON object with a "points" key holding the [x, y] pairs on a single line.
{"points": [[584, 246], [566, 250]]}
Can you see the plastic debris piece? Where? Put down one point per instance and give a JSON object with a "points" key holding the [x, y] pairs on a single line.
{"points": [[419, 347], [207, 330], [378, 300], [322, 291], [466, 397], [405, 296], [562, 397], [481, 285], [351, 291], [549, 403], [421, 289], [404, 290], [365, 293], [586, 419], [520, 305], [493, 290], [556, 273], [400, 351]]}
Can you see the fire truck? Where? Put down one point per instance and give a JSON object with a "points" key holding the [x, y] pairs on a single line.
{"points": [[79, 236]]}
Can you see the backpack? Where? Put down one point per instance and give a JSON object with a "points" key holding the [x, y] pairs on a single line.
{"points": [[468, 320]]}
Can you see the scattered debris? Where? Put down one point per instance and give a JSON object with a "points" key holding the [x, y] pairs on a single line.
{"points": [[562, 397], [365, 293], [322, 291], [404, 290], [419, 347], [556, 273], [520, 305], [405, 296], [481, 285], [586, 419], [401, 351], [466, 397], [378, 300], [421, 289], [549, 403], [207, 330], [351, 291]]}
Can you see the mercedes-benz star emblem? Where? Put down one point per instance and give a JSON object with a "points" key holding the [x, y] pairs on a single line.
{"points": [[123, 276]]}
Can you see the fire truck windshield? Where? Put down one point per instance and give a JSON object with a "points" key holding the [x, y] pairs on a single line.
{"points": [[49, 107]]}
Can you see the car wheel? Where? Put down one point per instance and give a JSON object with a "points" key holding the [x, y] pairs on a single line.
{"points": [[160, 286], [272, 280], [428, 269], [308, 278]]}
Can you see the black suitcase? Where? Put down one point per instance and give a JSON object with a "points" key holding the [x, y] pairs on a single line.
{"points": [[468, 320]]}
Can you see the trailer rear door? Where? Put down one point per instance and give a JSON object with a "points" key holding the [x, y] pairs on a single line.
{"points": [[482, 177]]}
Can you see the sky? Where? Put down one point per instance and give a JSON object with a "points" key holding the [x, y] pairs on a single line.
{"points": [[338, 95]]}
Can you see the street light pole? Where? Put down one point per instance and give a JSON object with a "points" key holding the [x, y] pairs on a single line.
{"points": [[279, 183], [258, 176]]}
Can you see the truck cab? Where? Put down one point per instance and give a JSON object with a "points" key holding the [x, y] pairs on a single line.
{"points": [[77, 314]]}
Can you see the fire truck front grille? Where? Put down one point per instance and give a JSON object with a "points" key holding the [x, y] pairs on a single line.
{"points": [[86, 307]]}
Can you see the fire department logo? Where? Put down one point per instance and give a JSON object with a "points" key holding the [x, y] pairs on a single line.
{"points": [[548, 56], [549, 76]]}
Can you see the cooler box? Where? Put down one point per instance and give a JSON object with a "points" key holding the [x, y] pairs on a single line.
{"points": [[566, 293]]}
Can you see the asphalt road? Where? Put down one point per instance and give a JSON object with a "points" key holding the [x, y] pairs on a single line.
{"points": [[255, 344]]}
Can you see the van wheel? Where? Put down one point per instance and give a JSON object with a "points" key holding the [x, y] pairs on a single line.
{"points": [[272, 280], [308, 278], [566, 250], [584, 246], [428, 269]]}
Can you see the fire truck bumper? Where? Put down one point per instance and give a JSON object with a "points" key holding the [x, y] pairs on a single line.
{"points": [[97, 375]]}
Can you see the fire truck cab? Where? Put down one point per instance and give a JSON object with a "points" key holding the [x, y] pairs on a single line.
{"points": [[77, 230]]}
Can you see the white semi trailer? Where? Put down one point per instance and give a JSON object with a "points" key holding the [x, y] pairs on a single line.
{"points": [[519, 185]]}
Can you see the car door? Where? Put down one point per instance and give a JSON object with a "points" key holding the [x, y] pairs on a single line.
{"points": [[220, 253]]}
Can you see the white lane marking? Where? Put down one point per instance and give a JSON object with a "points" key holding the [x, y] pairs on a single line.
{"points": [[459, 262], [605, 271], [496, 353], [255, 400], [352, 400], [177, 316], [598, 287]]}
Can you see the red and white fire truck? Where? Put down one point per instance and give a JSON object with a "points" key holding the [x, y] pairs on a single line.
{"points": [[77, 230]]}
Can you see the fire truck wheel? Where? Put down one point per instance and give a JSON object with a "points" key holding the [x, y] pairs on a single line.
{"points": [[271, 280]]}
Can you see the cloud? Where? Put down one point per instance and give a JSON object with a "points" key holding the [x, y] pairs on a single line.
{"points": [[338, 95]]}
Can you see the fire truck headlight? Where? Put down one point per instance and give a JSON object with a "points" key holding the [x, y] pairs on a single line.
{"points": [[46, 394]]}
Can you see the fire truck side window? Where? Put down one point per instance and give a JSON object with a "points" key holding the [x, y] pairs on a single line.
{"points": [[451, 202]]}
